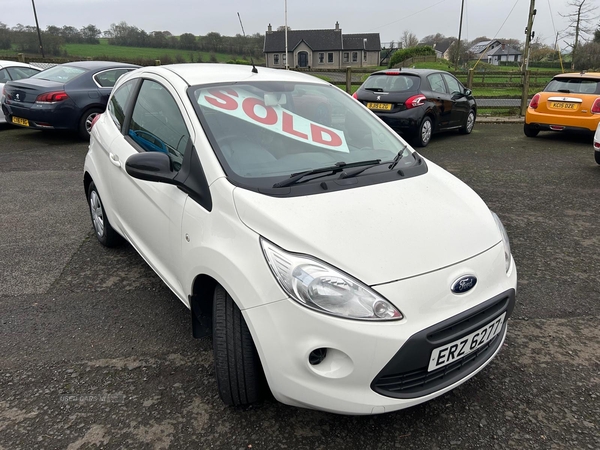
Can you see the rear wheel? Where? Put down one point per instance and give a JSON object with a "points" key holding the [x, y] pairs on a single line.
{"points": [[424, 134], [597, 156], [237, 365], [85, 123], [530, 131], [469, 124]]}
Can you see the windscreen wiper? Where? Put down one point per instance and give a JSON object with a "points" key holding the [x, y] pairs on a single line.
{"points": [[338, 167], [374, 89], [392, 164]]}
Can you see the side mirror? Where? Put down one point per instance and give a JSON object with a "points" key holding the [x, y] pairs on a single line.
{"points": [[468, 92], [151, 166]]}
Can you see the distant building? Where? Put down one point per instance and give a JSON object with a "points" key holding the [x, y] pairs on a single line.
{"points": [[503, 52], [321, 49], [481, 49], [442, 47]]}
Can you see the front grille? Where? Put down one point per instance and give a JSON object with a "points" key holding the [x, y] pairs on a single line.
{"points": [[406, 375], [416, 382]]}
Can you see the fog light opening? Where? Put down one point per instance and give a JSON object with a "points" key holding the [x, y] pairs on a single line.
{"points": [[317, 356]]}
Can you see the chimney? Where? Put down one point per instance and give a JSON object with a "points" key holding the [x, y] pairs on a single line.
{"points": [[337, 26], [503, 45], [269, 29]]}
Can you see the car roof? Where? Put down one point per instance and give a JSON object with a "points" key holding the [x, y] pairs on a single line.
{"points": [[4, 63], [93, 65], [578, 75], [418, 72], [202, 73]]}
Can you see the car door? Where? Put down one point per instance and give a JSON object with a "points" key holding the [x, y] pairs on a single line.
{"points": [[442, 98], [460, 102], [150, 213]]}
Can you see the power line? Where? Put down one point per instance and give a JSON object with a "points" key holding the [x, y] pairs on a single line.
{"points": [[406, 17]]}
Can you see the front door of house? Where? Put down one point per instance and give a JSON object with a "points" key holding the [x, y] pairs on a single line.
{"points": [[302, 59]]}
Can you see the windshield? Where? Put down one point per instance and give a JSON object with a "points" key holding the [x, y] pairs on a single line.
{"points": [[573, 85], [392, 83], [270, 130], [61, 73]]}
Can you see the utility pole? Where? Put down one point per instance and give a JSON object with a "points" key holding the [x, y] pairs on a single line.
{"points": [[528, 36], [462, 8], [286, 38], [38, 28]]}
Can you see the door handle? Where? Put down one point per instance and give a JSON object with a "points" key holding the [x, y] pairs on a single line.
{"points": [[114, 159]]}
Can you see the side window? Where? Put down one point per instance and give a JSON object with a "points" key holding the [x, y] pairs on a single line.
{"points": [[453, 84], [108, 78], [4, 76], [116, 105], [18, 73], [437, 83], [346, 56], [157, 124]]}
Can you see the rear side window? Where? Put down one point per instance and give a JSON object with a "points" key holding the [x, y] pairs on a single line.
{"points": [[18, 73], [108, 78], [392, 83], [117, 103], [573, 86], [4, 76], [61, 73]]}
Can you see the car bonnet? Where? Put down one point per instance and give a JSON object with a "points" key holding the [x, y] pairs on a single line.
{"points": [[378, 233]]}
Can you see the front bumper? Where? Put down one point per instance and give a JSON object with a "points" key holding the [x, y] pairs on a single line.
{"points": [[360, 353]]}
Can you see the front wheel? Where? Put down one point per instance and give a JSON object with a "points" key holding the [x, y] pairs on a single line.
{"points": [[105, 233], [530, 131], [424, 134], [85, 123], [237, 365], [469, 124]]}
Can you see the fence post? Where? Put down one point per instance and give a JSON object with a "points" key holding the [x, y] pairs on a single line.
{"points": [[157, 62], [349, 80], [470, 79], [525, 93], [21, 57]]}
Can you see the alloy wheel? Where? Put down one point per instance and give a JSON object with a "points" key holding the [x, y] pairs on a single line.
{"points": [[97, 213]]}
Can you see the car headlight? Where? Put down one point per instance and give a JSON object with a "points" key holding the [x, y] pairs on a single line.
{"points": [[505, 243], [318, 286]]}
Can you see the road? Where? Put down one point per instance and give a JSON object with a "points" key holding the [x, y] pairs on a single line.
{"points": [[95, 352]]}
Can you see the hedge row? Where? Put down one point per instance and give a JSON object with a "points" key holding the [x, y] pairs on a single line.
{"points": [[411, 52]]}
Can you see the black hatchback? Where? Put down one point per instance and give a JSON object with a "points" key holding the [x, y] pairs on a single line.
{"points": [[419, 102]]}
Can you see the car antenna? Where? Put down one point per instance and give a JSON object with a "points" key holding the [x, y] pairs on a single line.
{"points": [[254, 69]]}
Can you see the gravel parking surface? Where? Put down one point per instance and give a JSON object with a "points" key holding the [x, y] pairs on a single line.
{"points": [[95, 352]]}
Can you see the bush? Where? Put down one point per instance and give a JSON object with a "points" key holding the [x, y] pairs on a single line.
{"points": [[404, 54], [213, 57]]}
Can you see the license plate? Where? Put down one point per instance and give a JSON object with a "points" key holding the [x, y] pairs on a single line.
{"points": [[563, 105], [380, 106], [20, 121], [449, 353]]}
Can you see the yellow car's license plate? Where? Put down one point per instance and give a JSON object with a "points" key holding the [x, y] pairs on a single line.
{"points": [[563, 105], [20, 121], [380, 106]]}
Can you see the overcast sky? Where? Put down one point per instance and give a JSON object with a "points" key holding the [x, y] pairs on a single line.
{"points": [[491, 18]]}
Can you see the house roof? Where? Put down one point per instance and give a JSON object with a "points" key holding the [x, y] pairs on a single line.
{"points": [[440, 46], [481, 46], [357, 42], [321, 40], [504, 50], [316, 39]]}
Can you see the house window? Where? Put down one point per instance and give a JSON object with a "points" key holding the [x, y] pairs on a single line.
{"points": [[354, 56], [321, 58], [516, 57], [364, 55], [276, 59], [284, 58], [330, 57], [346, 56]]}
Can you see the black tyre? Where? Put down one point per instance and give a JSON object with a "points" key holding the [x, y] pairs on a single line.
{"points": [[424, 134], [597, 156], [469, 124], [105, 233], [237, 365], [530, 131], [85, 123]]}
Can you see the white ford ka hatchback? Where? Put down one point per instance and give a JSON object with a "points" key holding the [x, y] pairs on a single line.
{"points": [[324, 255]]}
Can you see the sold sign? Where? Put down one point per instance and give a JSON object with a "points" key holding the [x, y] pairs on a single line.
{"points": [[241, 104]]}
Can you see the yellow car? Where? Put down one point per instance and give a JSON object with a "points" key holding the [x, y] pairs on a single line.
{"points": [[571, 101]]}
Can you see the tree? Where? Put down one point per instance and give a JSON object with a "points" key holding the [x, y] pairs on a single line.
{"points": [[597, 36], [90, 34], [579, 26], [187, 41], [408, 39], [5, 42]]}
